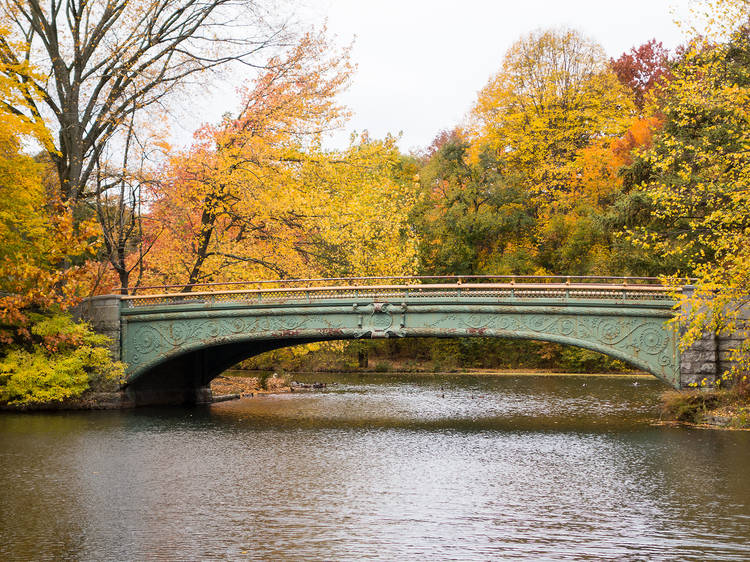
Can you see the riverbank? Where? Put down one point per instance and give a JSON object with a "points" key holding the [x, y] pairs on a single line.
{"points": [[245, 384], [722, 409], [430, 373], [241, 384]]}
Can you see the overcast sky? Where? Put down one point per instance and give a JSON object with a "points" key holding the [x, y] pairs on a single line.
{"points": [[421, 62]]}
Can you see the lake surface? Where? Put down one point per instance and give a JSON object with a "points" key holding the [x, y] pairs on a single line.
{"points": [[380, 468]]}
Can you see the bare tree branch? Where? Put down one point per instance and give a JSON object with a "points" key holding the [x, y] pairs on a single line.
{"points": [[107, 58]]}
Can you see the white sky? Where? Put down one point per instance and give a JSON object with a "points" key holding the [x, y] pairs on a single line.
{"points": [[421, 62]]}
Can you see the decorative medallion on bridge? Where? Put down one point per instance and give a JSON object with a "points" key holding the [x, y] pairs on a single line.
{"points": [[381, 320], [609, 331], [567, 326], [237, 325], [653, 340], [147, 340], [212, 329]]}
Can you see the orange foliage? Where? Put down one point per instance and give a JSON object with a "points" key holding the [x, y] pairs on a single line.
{"points": [[596, 175]]}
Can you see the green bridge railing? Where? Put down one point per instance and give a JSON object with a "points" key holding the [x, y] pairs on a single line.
{"points": [[504, 286]]}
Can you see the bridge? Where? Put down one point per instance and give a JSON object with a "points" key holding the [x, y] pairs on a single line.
{"points": [[175, 342]]}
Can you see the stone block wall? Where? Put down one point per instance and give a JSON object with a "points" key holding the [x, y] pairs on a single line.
{"points": [[700, 361], [103, 312], [710, 356]]}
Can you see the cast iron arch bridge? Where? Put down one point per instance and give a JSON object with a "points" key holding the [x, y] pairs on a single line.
{"points": [[175, 343]]}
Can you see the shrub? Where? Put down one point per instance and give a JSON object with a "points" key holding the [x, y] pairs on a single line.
{"points": [[60, 360], [382, 367]]}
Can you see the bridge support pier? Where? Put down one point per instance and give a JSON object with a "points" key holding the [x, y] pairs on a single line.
{"points": [[701, 361], [103, 313], [709, 357]]}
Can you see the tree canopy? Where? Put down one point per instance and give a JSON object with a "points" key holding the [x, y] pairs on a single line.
{"points": [[569, 162]]}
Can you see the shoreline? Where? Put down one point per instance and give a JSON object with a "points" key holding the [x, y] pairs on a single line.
{"points": [[714, 426], [708, 408], [479, 372]]}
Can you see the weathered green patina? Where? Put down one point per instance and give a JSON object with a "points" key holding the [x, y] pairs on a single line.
{"points": [[178, 343]]}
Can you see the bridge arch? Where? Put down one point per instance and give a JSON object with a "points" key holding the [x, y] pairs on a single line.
{"points": [[174, 345], [214, 359]]}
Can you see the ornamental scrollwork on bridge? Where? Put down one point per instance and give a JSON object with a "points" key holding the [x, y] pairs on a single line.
{"points": [[153, 340], [639, 337]]}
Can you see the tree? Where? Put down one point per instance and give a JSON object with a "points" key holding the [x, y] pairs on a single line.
{"points": [[471, 218], [238, 187], [37, 242], [554, 98], [642, 68], [44, 355], [714, 21], [119, 200], [331, 214], [554, 95], [105, 59], [586, 239], [359, 225], [256, 195], [698, 181]]}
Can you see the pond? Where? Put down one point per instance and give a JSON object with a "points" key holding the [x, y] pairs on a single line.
{"points": [[380, 467]]}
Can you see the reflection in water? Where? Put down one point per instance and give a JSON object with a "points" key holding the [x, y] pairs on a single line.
{"points": [[379, 467]]}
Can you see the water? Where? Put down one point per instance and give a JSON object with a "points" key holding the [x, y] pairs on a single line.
{"points": [[380, 468]]}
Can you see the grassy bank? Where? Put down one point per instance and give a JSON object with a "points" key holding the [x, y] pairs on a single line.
{"points": [[719, 408]]}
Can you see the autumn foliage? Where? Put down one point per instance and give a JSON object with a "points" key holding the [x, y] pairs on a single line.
{"points": [[39, 248], [569, 162], [257, 196], [642, 69]]}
